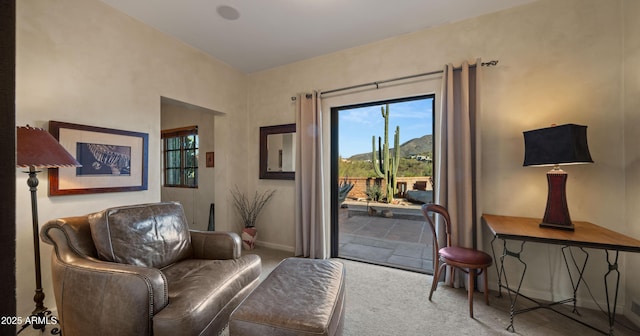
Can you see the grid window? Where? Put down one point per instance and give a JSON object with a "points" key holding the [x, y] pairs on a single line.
{"points": [[181, 157]]}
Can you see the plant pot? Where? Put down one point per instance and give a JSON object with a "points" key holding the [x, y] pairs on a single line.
{"points": [[249, 238]]}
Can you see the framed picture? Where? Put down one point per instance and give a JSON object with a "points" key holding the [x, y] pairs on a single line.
{"points": [[112, 160], [210, 160]]}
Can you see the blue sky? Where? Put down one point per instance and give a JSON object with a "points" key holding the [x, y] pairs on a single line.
{"points": [[357, 126]]}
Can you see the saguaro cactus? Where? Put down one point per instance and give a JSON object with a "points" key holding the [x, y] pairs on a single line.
{"points": [[385, 165]]}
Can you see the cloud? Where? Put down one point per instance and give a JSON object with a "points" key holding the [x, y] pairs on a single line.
{"points": [[419, 109], [357, 126], [365, 115]]}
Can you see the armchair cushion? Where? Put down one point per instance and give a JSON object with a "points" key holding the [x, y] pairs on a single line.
{"points": [[199, 289], [146, 235]]}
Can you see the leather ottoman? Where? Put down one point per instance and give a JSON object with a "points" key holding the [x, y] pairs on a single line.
{"points": [[299, 297]]}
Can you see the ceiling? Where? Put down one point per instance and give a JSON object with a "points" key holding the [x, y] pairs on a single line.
{"points": [[270, 33]]}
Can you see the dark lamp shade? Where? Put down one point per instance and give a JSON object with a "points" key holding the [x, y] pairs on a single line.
{"points": [[564, 144], [37, 148]]}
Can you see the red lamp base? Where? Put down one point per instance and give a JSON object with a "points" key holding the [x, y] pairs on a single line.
{"points": [[556, 214]]}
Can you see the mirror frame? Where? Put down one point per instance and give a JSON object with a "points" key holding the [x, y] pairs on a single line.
{"points": [[264, 132]]}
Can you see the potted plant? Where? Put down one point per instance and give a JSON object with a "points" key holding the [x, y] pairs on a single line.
{"points": [[249, 209], [344, 187]]}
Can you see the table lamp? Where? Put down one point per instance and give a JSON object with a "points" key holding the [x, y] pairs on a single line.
{"points": [[37, 148], [555, 146]]}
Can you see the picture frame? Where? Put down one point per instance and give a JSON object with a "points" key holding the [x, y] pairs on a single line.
{"points": [[272, 160], [112, 160], [210, 160]]}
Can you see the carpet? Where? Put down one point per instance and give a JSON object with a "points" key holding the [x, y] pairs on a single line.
{"points": [[385, 301], [382, 301]]}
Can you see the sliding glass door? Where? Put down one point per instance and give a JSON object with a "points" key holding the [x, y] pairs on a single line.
{"points": [[382, 171]]}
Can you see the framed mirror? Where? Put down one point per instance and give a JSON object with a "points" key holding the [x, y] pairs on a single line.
{"points": [[277, 152]]}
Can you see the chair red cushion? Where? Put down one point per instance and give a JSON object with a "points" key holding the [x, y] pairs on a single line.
{"points": [[465, 255]]}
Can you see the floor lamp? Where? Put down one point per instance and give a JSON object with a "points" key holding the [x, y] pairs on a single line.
{"points": [[555, 146], [37, 148]]}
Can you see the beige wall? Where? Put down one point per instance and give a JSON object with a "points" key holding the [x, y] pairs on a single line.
{"points": [[81, 61], [560, 62], [195, 201], [631, 82]]}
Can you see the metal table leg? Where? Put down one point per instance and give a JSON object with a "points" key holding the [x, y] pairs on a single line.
{"points": [[575, 285], [514, 294], [613, 267]]}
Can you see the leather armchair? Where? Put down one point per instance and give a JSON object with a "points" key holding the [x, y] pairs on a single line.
{"points": [[139, 270]]}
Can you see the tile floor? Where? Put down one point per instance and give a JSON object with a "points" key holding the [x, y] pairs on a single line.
{"points": [[403, 241]]}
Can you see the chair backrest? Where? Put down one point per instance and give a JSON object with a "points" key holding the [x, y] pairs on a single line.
{"points": [[427, 211], [148, 235]]}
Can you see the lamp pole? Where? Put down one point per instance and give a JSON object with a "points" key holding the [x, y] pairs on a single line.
{"points": [[38, 298], [37, 148]]}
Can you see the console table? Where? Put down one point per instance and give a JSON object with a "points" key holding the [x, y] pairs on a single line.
{"points": [[585, 235]]}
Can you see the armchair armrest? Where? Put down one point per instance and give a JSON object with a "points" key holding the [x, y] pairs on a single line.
{"points": [[57, 234], [107, 298], [88, 289], [215, 244]]}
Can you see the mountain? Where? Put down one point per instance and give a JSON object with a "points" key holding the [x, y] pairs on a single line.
{"points": [[419, 145]]}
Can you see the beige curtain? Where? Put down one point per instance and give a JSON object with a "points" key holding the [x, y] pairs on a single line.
{"points": [[311, 229], [458, 154]]}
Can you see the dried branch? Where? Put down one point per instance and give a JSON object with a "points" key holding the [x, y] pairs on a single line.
{"points": [[249, 209]]}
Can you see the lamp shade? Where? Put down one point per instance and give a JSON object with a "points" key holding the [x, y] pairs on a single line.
{"points": [[564, 144], [37, 148]]}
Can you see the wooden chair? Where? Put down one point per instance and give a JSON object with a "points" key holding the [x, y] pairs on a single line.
{"points": [[470, 261]]}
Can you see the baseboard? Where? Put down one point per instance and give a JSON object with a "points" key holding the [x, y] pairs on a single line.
{"points": [[276, 246], [635, 319]]}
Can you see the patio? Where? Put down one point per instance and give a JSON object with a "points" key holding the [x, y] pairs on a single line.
{"points": [[402, 241]]}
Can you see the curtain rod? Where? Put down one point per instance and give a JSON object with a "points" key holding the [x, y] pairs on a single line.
{"points": [[377, 83]]}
